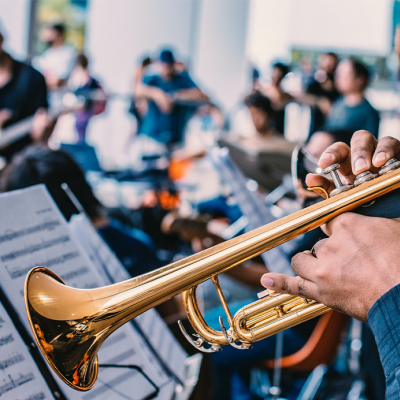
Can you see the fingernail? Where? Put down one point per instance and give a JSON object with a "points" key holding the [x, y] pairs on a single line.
{"points": [[266, 281], [380, 157], [327, 156], [360, 164]]}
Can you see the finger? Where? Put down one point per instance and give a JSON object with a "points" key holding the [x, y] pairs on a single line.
{"points": [[386, 149], [305, 265], [294, 285], [338, 153], [363, 145], [313, 180], [346, 221]]}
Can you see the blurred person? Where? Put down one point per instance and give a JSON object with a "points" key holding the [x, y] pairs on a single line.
{"points": [[263, 116], [352, 111], [23, 93], [277, 95], [139, 104], [164, 120], [321, 91], [57, 61], [40, 165], [83, 84]]}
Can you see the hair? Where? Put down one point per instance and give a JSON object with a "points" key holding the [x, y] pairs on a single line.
{"points": [[360, 70], [333, 55], [283, 68], [258, 100], [82, 61], [60, 28], [146, 62], [38, 164]]}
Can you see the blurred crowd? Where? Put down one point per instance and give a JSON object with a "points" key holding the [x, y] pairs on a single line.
{"points": [[177, 115]]}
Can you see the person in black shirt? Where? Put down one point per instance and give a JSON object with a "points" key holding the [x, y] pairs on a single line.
{"points": [[22, 89], [23, 93], [321, 91]]}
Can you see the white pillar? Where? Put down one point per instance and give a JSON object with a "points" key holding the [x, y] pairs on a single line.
{"points": [[220, 64]]}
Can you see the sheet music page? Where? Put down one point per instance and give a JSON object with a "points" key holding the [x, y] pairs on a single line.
{"points": [[152, 325], [33, 232], [20, 378]]}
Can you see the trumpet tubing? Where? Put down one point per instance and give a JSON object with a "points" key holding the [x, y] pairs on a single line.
{"points": [[70, 324]]}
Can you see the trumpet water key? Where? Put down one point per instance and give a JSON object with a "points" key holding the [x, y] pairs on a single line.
{"points": [[70, 324]]}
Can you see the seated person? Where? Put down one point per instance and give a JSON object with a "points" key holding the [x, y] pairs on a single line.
{"points": [[321, 91], [279, 98], [38, 164], [164, 120], [352, 111], [23, 93]]}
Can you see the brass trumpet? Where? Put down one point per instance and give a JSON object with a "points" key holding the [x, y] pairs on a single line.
{"points": [[70, 324]]}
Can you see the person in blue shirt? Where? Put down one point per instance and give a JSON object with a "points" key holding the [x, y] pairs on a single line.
{"points": [[352, 111], [171, 95], [356, 269]]}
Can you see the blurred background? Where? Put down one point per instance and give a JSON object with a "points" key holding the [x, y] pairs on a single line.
{"points": [[189, 122]]}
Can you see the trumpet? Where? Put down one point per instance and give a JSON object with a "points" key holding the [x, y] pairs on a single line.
{"points": [[70, 324]]}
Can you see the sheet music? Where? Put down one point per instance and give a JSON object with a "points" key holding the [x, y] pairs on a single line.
{"points": [[20, 378], [252, 207], [152, 325], [33, 232]]}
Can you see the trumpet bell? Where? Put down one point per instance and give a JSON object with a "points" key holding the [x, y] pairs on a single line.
{"points": [[67, 328]]}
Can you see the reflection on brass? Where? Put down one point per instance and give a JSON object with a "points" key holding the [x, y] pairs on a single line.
{"points": [[70, 324], [315, 188]]}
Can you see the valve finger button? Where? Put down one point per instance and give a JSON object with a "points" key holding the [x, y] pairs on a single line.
{"points": [[390, 165], [364, 177], [332, 171]]}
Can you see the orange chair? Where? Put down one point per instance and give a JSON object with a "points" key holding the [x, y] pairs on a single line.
{"points": [[320, 348]]}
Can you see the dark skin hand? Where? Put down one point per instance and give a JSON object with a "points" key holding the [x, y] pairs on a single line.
{"points": [[358, 263]]}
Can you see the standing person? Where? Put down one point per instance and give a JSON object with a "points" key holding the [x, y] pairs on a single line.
{"points": [[57, 61], [277, 95], [23, 93], [352, 112], [165, 121], [82, 83], [321, 92]]}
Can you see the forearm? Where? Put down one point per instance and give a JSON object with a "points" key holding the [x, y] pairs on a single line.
{"points": [[194, 94], [384, 319], [148, 92], [249, 273]]}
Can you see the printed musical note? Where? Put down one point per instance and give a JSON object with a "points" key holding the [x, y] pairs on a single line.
{"points": [[6, 339]]}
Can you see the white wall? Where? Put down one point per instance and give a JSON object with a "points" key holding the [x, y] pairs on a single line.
{"points": [[352, 26], [268, 37], [356, 26], [14, 24]]}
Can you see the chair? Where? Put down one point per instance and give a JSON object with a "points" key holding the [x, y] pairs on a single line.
{"points": [[312, 359], [320, 348]]}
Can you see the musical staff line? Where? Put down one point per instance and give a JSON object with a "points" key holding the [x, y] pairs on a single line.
{"points": [[15, 383], [34, 248], [48, 225], [37, 396], [11, 361], [75, 273], [17, 272], [6, 339]]}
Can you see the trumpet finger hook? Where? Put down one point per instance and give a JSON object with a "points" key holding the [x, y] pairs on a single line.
{"points": [[233, 343], [198, 344]]}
